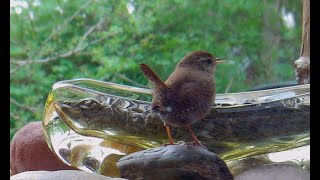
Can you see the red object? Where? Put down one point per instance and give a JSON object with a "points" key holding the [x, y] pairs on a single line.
{"points": [[30, 152]]}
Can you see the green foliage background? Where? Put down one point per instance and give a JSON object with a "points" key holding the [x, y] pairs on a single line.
{"points": [[65, 39]]}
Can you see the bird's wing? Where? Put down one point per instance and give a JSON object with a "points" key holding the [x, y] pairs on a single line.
{"points": [[190, 96], [153, 77]]}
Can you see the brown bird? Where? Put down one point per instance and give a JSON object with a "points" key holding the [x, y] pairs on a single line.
{"points": [[188, 93]]}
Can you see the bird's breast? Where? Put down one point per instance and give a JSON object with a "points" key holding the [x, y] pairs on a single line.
{"points": [[189, 98]]}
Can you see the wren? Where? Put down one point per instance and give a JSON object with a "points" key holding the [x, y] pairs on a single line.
{"points": [[188, 94]]}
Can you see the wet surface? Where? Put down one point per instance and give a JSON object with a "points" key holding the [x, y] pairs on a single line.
{"points": [[240, 125]]}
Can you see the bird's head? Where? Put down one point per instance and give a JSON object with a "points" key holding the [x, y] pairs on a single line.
{"points": [[200, 61]]}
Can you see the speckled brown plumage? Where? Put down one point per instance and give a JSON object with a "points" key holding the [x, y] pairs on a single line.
{"points": [[188, 93]]}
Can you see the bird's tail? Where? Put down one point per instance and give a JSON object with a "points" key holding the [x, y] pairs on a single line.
{"points": [[153, 77]]}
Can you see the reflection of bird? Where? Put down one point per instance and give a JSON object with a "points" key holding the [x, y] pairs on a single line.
{"points": [[188, 94]]}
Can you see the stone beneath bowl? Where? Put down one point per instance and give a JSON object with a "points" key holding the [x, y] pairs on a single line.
{"points": [[180, 161]]}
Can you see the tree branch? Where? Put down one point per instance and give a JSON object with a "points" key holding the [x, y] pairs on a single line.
{"points": [[20, 65], [18, 118], [19, 44], [15, 102], [34, 32], [69, 53], [123, 77], [302, 65], [90, 31], [59, 28]]}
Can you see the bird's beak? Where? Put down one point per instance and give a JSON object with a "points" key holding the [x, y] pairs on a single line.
{"points": [[219, 60]]}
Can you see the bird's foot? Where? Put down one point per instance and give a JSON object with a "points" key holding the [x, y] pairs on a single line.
{"points": [[197, 143], [173, 143]]}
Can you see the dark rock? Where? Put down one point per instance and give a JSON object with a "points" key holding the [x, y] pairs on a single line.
{"points": [[30, 152], [181, 161], [60, 175]]}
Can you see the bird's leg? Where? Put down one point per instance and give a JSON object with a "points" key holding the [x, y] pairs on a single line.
{"points": [[169, 134], [195, 139]]}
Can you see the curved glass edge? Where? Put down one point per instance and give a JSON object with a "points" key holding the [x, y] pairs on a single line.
{"points": [[79, 150], [222, 100]]}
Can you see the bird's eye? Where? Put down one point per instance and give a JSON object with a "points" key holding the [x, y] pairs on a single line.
{"points": [[155, 107], [208, 61]]}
